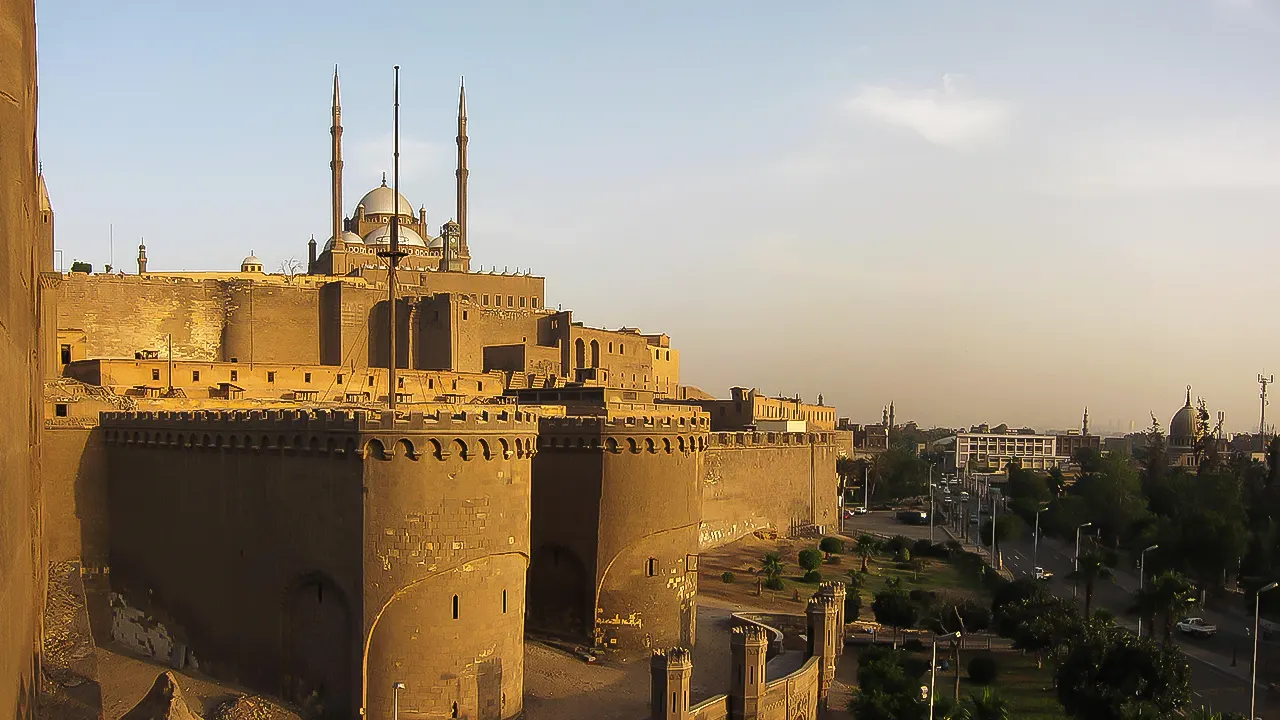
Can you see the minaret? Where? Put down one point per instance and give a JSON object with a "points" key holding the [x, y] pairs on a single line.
{"points": [[463, 259], [311, 255], [335, 164], [1084, 426], [142, 257]]}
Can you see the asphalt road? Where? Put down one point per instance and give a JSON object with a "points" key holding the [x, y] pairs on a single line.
{"points": [[1216, 683]]}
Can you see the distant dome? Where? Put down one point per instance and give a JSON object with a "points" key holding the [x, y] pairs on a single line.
{"points": [[348, 237], [251, 264], [1182, 428], [382, 236], [378, 201]]}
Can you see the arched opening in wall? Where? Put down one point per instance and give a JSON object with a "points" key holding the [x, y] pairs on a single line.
{"points": [[405, 448], [595, 353], [579, 353], [485, 451], [374, 450], [559, 595], [317, 647]]}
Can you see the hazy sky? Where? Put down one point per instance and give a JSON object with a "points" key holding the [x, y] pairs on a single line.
{"points": [[996, 211]]}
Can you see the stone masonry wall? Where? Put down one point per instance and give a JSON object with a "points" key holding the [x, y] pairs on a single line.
{"points": [[20, 584]]}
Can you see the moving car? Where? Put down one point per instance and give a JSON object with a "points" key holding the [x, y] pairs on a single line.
{"points": [[1197, 627], [1042, 574]]}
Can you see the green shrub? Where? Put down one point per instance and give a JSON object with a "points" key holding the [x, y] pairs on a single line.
{"points": [[773, 583], [983, 669], [852, 605], [727, 576], [831, 545], [810, 559], [812, 576], [903, 555]]}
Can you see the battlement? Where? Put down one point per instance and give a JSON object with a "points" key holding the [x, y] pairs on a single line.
{"points": [[774, 439], [672, 658], [823, 605], [597, 423], [326, 420], [749, 635]]}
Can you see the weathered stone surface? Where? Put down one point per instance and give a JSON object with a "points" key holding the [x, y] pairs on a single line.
{"points": [[163, 702]]}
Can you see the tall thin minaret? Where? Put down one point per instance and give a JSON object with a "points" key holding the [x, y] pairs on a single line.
{"points": [[464, 256], [335, 164], [1084, 426]]}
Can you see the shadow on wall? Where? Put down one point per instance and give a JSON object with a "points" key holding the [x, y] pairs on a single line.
{"points": [[560, 594], [318, 648]]}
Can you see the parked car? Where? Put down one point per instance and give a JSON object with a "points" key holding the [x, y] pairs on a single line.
{"points": [[1042, 574], [860, 510], [1197, 627]]}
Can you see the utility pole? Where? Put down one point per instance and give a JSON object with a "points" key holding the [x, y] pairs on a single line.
{"points": [[1264, 381], [394, 253]]}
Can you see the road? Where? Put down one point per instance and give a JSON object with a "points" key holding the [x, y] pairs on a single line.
{"points": [[1216, 683]]}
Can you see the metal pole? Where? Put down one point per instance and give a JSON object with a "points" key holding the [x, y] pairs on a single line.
{"points": [[395, 700], [1142, 571], [866, 487], [1253, 682], [933, 671], [1075, 581], [931, 523], [395, 245], [1035, 542]]}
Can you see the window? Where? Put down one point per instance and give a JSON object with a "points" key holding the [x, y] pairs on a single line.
{"points": [[651, 567], [370, 381], [522, 299], [235, 375], [691, 563], [610, 347], [479, 386], [464, 314], [271, 376], [455, 607], [306, 377], [668, 355], [504, 601], [622, 349], [431, 383], [339, 378], [534, 303], [511, 302], [66, 354], [155, 373], [400, 382], [60, 410], [486, 300], [195, 376]]}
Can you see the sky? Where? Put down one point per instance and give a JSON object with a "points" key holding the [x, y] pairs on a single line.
{"points": [[982, 212]]}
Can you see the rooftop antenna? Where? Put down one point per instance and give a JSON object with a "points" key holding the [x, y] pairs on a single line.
{"points": [[394, 253], [1263, 382]]}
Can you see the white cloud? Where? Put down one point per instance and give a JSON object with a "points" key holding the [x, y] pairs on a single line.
{"points": [[944, 116], [1234, 154], [372, 156]]}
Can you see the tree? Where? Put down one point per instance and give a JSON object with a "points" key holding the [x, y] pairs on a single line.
{"points": [[1090, 570], [1165, 596], [831, 546], [866, 546], [893, 607], [1104, 669], [771, 566], [81, 267], [1008, 528], [987, 705], [888, 686], [810, 559], [290, 267], [852, 605]]}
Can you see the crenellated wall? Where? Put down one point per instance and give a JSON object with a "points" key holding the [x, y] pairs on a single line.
{"points": [[783, 481], [616, 507], [304, 552]]}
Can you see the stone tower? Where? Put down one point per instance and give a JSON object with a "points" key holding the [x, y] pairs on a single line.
{"points": [[749, 646], [670, 672], [836, 591], [335, 168], [142, 258], [823, 617]]}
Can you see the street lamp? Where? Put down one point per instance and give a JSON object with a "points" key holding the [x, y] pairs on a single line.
{"points": [[1142, 567], [1035, 539], [930, 503], [395, 700], [1253, 683], [866, 487], [1075, 584], [933, 667]]}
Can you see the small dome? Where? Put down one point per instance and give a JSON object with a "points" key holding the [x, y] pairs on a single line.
{"points": [[378, 201], [382, 236], [251, 264], [348, 237], [251, 260], [1182, 428]]}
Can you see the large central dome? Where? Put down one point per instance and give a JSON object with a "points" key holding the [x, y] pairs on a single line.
{"points": [[382, 236], [379, 201]]}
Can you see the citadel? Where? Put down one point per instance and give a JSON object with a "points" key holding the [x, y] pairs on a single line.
{"points": [[330, 482]]}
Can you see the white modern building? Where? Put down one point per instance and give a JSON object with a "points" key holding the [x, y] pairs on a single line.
{"points": [[982, 451]]}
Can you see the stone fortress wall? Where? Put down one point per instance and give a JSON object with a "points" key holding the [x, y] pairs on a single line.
{"points": [[332, 552]]}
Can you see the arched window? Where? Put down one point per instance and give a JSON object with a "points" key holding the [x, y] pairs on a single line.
{"points": [[595, 353], [580, 353]]}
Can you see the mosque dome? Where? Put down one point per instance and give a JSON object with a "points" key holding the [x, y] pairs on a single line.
{"points": [[382, 236], [1182, 428], [251, 264], [379, 201], [348, 237]]}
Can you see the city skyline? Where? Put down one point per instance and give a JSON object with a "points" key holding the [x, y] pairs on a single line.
{"points": [[979, 230]]}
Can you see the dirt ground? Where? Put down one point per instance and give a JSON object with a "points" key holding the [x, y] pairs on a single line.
{"points": [[744, 557]]}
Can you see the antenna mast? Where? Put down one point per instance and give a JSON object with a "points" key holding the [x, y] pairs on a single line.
{"points": [[1263, 382], [393, 254]]}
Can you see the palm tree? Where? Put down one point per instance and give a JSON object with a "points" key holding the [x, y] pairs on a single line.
{"points": [[865, 547], [1165, 596], [772, 566], [1091, 569], [987, 705]]}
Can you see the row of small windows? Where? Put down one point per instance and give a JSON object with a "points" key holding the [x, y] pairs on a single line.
{"points": [[511, 301], [306, 378], [658, 354]]}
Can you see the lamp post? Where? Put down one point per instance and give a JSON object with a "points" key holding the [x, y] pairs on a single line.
{"points": [[933, 667], [866, 487], [931, 504], [1253, 682], [1075, 583], [1142, 571], [1035, 539], [395, 700]]}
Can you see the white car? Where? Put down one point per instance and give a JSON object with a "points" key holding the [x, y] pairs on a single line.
{"points": [[860, 510], [1042, 574], [1197, 627]]}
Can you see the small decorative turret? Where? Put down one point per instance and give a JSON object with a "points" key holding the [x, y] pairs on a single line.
{"points": [[837, 592], [142, 257], [670, 672], [749, 650], [823, 615]]}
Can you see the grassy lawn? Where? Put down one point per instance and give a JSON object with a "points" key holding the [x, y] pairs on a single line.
{"points": [[1027, 690]]}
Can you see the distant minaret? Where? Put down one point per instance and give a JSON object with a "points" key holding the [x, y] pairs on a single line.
{"points": [[311, 255], [885, 417], [1084, 426], [142, 257], [892, 420], [335, 164], [463, 259]]}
